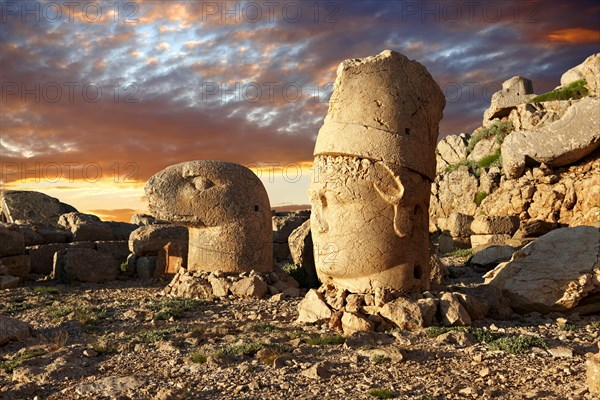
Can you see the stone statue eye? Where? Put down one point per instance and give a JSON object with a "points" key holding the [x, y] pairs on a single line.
{"points": [[201, 183]]}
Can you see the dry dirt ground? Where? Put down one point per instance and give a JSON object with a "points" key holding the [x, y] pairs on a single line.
{"points": [[124, 341]]}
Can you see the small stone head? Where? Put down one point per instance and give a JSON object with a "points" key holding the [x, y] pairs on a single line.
{"points": [[226, 208]]}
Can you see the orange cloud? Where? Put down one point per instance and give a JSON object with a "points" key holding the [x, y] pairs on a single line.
{"points": [[118, 214], [575, 35]]}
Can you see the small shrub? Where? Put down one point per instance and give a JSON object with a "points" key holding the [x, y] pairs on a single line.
{"points": [[156, 335], [46, 289], [198, 358], [173, 307], [460, 253], [246, 349], [325, 340], [380, 359], [479, 197], [517, 344], [382, 393], [498, 129], [596, 325], [85, 315], [574, 90], [16, 306], [480, 335], [569, 328], [472, 166], [123, 267]]}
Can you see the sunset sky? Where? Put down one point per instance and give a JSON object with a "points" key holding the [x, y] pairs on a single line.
{"points": [[96, 97]]}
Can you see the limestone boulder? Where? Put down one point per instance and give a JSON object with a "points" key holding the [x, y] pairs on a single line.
{"points": [[593, 373], [450, 150], [452, 311], [9, 281], [491, 225], [301, 249], [12, 329], [121, 230], [528, 116], [483, 148], [12, 240], [145, 267], [588, 70], [355, 322], [142, 219], [553, 273], [313, 308], [558, 144], [42, 256], [515, 91], [30, 206], [226, 209], [117, 249], [403, 313], [84, 265], [454, 192], [85, 227], [492, 255], [150, 239], [19, 266], [250, 287], [284, 223], [492, 239]]}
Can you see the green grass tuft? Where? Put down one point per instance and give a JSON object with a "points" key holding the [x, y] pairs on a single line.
{"points": [[382, 393], [517, 344], [155, 335], [46, 289], [246, 349], [198, 358], [491, 160], [574, 90], [460, 253], [325, 340], [174, 307], [380, 359], [569, 328], [498, 129], [479, 197]]}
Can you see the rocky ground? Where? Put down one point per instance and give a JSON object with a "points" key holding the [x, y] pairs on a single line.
{"points": [[123, 340]]}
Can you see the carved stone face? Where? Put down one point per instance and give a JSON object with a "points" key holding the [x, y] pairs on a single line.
{"points": [[366, 228], [226, 209]]}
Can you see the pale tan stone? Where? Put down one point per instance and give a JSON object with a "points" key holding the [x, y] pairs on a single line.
{"points": [[404, 313], [593, 373], [313, 308], [371, 179], [355, 322], [226, 208]]}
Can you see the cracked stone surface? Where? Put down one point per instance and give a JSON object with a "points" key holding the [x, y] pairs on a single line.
{"points": [[374, 163], [226, 208]]}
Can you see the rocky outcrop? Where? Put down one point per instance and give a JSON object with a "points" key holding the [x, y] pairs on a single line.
{"points": [[588, 70], [148, 242], [450, 150], [554, 273], [557, 144], [568, 195], [28, 206], [593, 373], [515, 91], [284, 223]]}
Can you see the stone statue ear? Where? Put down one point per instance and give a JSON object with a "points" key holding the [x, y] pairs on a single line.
{"points": [[390, 188]]}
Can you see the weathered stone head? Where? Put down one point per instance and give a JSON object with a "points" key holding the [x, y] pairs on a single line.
{"points": [[226, 208], [373, 168]]}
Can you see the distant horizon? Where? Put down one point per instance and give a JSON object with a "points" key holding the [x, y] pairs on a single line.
{"points": [[121, 90]]}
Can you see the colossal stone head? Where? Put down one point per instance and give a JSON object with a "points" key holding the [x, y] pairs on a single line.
{"points": [[226, 208], [372, 173]]}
